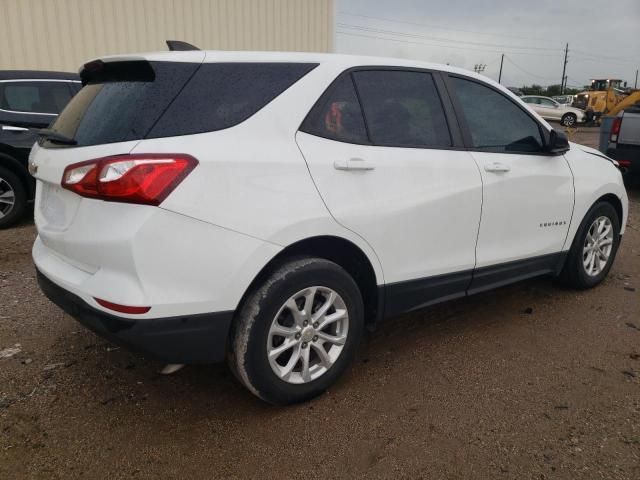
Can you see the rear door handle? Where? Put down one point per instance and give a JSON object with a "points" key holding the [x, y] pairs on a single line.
{"points": [[11, 128], [497, 167], [353, 164]]}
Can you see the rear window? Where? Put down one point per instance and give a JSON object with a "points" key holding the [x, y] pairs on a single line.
{"points": [[137, 100]]}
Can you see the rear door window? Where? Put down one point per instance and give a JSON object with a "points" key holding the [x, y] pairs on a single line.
{"points": [[546, 102], [402, 108], [337, 115], [496, 123], [34, 96]]}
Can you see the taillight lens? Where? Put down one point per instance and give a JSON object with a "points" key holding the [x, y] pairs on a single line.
{"points": [[140, 178], [615, 129]]}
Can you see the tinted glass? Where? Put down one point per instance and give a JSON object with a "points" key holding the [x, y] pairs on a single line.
{"points": [[495, 122], [121, 102], [402, 108], [34, 97], [337, 115], [134, 100], [221, 95]]}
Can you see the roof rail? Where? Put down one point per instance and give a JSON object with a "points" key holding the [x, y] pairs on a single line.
{"points": [[180, 46]]}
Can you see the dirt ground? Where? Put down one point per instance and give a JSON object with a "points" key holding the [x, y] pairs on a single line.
{"points": [[529, 381]]}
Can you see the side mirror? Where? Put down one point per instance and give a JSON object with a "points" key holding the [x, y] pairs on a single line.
{"points": [[558, 143]]}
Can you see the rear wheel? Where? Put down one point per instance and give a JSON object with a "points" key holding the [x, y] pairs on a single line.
{"points": [[594, 247], [13, 198], [298, 331], [568, 119]]}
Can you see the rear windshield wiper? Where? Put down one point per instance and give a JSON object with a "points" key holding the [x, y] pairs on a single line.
{"points": [[56, 137]]}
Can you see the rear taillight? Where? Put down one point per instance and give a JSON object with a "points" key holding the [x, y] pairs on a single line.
{"points": [[615, 129], [139, 178]]}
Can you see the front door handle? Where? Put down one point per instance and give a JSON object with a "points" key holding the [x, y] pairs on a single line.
{"points": [[353, 164], [496, 167], [11, 128]]}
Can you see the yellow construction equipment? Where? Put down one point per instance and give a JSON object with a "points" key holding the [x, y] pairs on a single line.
{"points": [[606, 97]]}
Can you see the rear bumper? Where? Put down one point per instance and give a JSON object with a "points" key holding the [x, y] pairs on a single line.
{"points": [[200, 338]]}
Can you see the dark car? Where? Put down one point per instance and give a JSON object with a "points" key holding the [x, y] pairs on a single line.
{"points": [[29, 101]]}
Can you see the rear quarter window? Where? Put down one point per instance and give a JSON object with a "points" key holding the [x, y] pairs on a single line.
{"points": [[221, 95]]}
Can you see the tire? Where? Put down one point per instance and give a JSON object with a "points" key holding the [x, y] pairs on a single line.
{"points": [[265, 307], [11, 190], [568, 120], [574, 272]]}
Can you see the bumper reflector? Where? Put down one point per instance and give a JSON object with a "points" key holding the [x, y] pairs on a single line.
{"points": [[122, 308]]}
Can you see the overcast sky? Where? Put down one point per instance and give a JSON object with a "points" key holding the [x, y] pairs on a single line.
{"points": [[603, 36]]}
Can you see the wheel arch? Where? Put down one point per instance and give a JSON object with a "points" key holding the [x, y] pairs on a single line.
{"points": [[11, 163], [340, 251], [615, 203], [610, 198]]}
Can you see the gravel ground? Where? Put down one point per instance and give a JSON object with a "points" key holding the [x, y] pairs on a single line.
{"points": [[529, 381]]}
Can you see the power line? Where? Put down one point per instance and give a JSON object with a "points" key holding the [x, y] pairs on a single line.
{"points": [[443, 28], [441, 46], [600, 55], [525, 71], [437, 39], [600, 60]]}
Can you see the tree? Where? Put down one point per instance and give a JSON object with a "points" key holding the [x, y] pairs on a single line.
{"points": [[550, 91]]}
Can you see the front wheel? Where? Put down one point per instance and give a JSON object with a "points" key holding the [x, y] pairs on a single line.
{"points": [[297, 332], [568, 120], [594, 247]]}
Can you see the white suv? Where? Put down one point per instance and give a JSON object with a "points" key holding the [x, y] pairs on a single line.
{"points": [[267, 207]]}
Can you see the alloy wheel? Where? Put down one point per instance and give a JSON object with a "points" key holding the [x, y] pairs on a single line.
{"points": [[307, 335], [597, 246], [7, 198]]}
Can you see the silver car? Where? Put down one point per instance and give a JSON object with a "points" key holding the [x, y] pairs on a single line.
{"points": [[549, 109]]}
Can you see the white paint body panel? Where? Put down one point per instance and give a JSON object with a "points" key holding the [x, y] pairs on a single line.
{"points": [[593, 176], [520, 205], [419, 209], [252, 194]]}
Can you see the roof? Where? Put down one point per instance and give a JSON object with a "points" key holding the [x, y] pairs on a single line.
{"points": [[37, 75], [258, 56]]}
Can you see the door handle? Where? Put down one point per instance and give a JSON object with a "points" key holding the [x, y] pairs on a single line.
{"points": [[497, 167], [353, 164], [11, 128]]}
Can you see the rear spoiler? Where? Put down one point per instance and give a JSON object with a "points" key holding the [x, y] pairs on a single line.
{"points": [[180, 46], [133, 70]]}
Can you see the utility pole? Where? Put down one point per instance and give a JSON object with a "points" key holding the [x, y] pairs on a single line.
{"points": [[479, 67], [502, 60], [564, 68], [636, 85]]}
